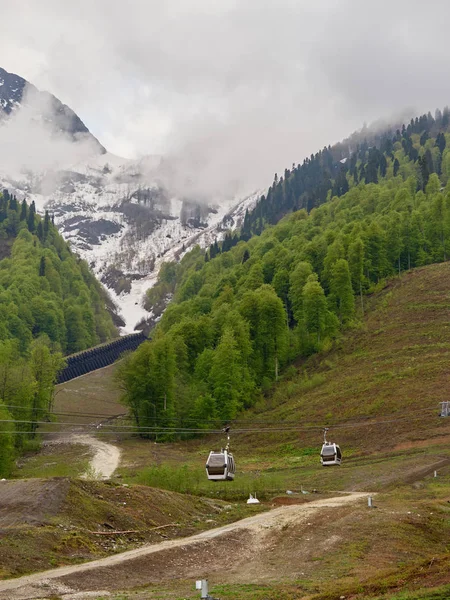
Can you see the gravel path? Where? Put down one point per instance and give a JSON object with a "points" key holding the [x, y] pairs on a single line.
{"points": [[106, 456]]}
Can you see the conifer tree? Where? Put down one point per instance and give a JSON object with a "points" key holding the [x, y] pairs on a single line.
{"points": [[245, 256], [31, 218], [13, 203], [396, 167], [40, 231], [42, 267], [46, 224], [23, 210]]}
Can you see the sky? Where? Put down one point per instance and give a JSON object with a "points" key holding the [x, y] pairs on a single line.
{"points": [[233, 90]]}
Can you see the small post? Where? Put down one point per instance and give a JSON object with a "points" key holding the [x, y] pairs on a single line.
{"points": [[370, 502], [202, 584], [435, 473]]}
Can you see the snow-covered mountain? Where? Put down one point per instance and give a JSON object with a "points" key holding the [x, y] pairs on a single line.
{"points": [[118, 214]]}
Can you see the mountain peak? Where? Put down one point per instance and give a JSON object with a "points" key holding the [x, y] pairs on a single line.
{"points": [[17, 93]]}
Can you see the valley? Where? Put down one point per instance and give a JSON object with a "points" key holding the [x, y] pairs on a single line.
{"points": [[318, 305]]}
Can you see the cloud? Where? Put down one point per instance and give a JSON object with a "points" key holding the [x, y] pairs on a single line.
{"points": [[32, 140], [232, 91]]}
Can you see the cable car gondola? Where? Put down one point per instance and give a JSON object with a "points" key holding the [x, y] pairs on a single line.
{"points": [[330, 454], [220, 466]]}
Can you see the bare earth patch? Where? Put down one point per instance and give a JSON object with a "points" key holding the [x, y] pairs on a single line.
{"points": [[248, 544], [30, 501]]}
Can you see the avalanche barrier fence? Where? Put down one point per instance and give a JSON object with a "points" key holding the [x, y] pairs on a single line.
{"points": [[99, 356]]}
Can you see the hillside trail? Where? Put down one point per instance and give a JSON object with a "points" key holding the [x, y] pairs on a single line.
{"points": [[244, 542], [86, 394], [106, 456]]}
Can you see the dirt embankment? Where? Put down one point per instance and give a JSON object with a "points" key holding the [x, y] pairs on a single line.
{"points": [[59, 521], [247, 547], [30, 501]]}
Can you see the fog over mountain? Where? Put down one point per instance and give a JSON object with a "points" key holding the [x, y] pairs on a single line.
{"points": [[234, 90]]}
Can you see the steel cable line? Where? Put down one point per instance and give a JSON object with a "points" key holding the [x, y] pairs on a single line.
{"points": [[121, 432], [174, 429], [65, 414], [183, 420]]}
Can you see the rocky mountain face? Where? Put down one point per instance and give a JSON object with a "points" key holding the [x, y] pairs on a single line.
{"points": [[16, 94], [118, 214]]}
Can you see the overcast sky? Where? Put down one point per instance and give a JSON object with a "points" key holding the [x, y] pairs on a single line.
{"points": [[244, 87]]}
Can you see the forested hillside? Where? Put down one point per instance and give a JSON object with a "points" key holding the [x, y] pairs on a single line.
{"points": [[238, 318], [335, 169], [51, 305], [362, 157]]}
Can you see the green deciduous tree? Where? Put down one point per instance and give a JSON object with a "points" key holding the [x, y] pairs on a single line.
{"points": [[297, 281], [319, 321], [226, 376], [7, 451], [341, 291]]}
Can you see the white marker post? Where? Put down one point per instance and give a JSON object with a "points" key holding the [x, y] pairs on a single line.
{"points": [[202, 584]]}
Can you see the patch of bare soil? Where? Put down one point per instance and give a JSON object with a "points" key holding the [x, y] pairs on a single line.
{"points": [[288, 500], [442, 440], [92, 394], [30, 501], [55, 522], [251, 549], [409, 474]]}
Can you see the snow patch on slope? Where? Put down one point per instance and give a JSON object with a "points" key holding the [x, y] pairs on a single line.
{"points": [[131, 304], [117, 215]]}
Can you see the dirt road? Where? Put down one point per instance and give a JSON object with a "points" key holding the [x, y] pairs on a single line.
{"points": [[106, 456], [243, 543], [105, 459]]}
